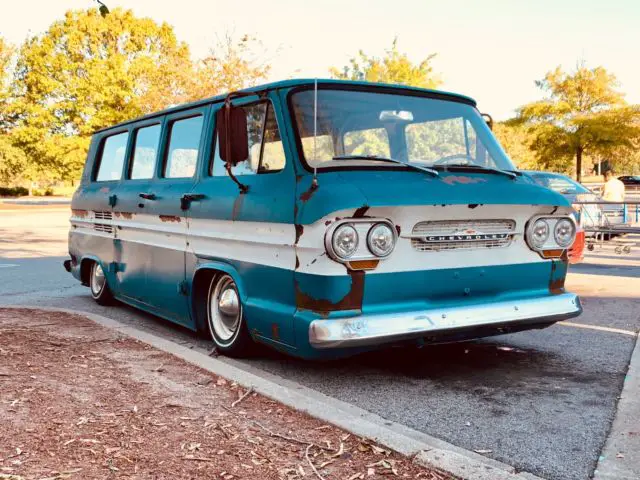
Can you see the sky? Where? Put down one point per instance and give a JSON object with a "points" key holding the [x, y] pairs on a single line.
{"points": [[491, 50]]}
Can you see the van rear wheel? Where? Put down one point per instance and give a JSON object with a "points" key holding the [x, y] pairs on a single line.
{"points": [[225, 317], [100, 290]]}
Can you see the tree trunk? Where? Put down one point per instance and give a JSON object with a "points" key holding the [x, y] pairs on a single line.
{"points": [[579, 164]]}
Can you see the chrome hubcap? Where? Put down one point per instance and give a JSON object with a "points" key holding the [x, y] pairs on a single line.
{"points": [[97, 280], [225, 310]]}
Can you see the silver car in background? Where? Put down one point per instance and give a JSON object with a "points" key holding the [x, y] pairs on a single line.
{"points": [[588, 216]]}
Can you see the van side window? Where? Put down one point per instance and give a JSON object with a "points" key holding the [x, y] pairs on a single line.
{"points": [[266, 153], [182, 151], [111, 159], [145, 150]]}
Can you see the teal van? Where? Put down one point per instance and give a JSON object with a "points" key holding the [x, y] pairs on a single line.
{"points": [[321, 218]]}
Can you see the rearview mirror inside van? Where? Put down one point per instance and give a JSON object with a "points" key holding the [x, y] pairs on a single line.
{"points": [[232, 134], [393, 116]]}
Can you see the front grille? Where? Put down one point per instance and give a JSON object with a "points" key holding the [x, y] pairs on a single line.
{"points": [[103, 215], [438, 235]]}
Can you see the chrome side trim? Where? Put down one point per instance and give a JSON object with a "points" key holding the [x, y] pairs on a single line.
{"points": [[385, 328]]}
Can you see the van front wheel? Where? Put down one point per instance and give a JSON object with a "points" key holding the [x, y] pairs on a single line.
{"points": [[100, 290], [225, 317]]}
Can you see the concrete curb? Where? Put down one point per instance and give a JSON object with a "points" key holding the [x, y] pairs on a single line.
{"points": [[426, 450], [620, 457]]}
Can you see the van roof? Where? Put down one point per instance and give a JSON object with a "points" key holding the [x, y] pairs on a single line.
{"points": [[295, 83]]}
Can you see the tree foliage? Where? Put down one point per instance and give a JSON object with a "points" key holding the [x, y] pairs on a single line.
{"points": [[6, 53], [583, 114], [231, 65], [89, 71], [394, 67], [516, 141]]}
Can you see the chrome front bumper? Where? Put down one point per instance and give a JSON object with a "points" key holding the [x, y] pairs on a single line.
{"points": [[366, 330]]}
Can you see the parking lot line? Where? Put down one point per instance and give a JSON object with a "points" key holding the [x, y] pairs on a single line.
{"points": [[601, 329]]}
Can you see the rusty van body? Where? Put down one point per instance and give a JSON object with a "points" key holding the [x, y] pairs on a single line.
{"points": [[321, 218]]}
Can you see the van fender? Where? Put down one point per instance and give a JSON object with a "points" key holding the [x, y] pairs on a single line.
{"points": [[93, 258], [225, 268], [196, 310]]}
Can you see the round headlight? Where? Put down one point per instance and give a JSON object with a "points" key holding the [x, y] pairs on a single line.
{"points": [[564, 232], [381, 240], [345, 241], [539, 233]]}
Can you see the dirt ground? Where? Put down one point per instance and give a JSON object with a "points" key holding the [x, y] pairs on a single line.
{"points": [[80, 401]]}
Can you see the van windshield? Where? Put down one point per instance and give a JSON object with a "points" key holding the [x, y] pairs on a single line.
{"points": [[355, 126]]}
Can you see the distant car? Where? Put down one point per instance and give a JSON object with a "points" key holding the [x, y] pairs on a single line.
{"points": [[588, 216], [630, 180]]}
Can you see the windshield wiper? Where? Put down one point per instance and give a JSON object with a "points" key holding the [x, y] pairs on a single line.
{"points": [[428, 170], [509, 174]]}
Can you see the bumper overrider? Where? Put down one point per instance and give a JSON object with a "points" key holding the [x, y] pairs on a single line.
{"points": [[469, 321]]}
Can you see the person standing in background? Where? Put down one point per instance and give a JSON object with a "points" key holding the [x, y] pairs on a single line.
{"points": [[613, 189]]}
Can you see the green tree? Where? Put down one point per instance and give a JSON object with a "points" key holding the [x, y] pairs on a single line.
{"points": [[583, 114], [6, 53], [87, 72], [517, 141], [394, 67], [231, 65]]}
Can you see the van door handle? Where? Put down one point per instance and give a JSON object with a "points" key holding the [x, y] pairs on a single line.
{"points": [[147, 196], [187, 198]]}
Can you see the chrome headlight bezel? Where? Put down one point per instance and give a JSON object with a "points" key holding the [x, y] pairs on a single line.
{"points": [[540, 222], [363, 227], [392, 235], [550, 242], [347, 229], [572, 225]]}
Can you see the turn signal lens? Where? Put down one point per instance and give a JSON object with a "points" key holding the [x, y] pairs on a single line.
{"points": [[552, 253], [363, 264]]}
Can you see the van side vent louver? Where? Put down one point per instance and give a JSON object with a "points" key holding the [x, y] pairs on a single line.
{"points": [[101, 227], [103, 215]]}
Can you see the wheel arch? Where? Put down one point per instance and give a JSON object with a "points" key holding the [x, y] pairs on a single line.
{"points": [[200, 288], [85, 267]]}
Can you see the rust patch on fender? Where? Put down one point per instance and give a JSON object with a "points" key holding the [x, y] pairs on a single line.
{"points": [[170, 218], [398, 229], [360, 212], [297, 262], [127, 215], [473, 205], [462, 180], [79, 213], [556, 285], [299, 232], [351, 301]]}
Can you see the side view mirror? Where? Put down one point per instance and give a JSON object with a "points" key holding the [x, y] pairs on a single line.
{"points": [[489, 119], [232, 134]]}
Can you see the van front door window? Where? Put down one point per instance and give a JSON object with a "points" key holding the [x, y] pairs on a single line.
{"points": [[266, 153]]}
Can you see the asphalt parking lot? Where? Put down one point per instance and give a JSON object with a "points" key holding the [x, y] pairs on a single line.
{"points": [[542, 401]]}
